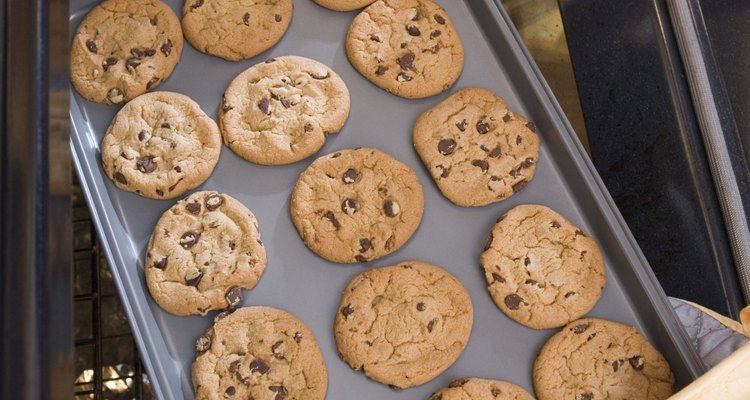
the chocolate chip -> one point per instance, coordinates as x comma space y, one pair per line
234, 296
431, 325
136, 52
189, 239
495, 153
234, 366
214, 201
146, 164
280, 392
495, 392
569, 294
119, 177
153, 81
497, 278
420, 306
375, 38
555, 224
494, 178
531, 126
461, 125
391, 208
285, 102
259, 366
246, 19
458, 383
519, 140
439, 19
109, 62
360, 258
332, 218
142, 136
270, 60
406, 62
297, 337
159, 192
403, 45
513, 301
350, 176
149, 52
347, 311
194, 278
178, 169
435, 34
197, 4
585, 396
580, 232
434, 49
349, 206
520, 185
413, 30
166, 48
364, 245
416, 14
154, 20
308, 128
161, 264
203, 343
506, 117
402, 77
193, 208
91, 46
482, 164
230, 392
617, 364
221, 315
580, 328
446, 146
389, 242
436, 396
115, 96
526, 261
264, 106
275, 350
277, 18
483, 127
636, 362
445, 171
489, 242
381, 70
533, 283
527, 163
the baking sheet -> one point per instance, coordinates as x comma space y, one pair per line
452, 237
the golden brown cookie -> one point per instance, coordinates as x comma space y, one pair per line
235, 29
160, 145
541, 269
595, 359
476, 149
356, 205
204, 250
481, 389
407, 47
403, 325
343, 5
281, 110
124, 48
259, 353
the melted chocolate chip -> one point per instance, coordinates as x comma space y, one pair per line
406, 62
446, 146
159, 192
364, 245
585, 396
349, 206
636, 362
203, 343
445, 171
513, 301
439, 19
567, 295
458, 383
214, 201
617, 364
119, 177
495, 392
166, 48
389, 242
297, 337
526, 261
154, 21
519, 140
149, 52
531, 126
275, 350
520, 185
197, 4
431, 325
350, 176
402, 77
497, 278
578, 329
246, 19
482, 164
146, 164
189, 239
391, 208
230, 392
178, 169
234, 366
308, 128
413, 30
234, 296
421, 306
555, 224
109, 62
194, 278
332, 218
483, 127
461, 125
259, 366
495, 153
161, 264
360, 258
153, 81
280, 392
347, 311
264, 106
277, 18
91, 46
193, 208
435, 34
381, 70
142, 136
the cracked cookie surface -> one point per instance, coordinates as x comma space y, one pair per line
123, 48
403, 325
343, 5
356, 205
204, 250
407, 47
235, 29
160, 145
281, 110
476, 149
595, 359
481, 389
259, 353
541, 269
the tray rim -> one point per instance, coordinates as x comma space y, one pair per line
572, 146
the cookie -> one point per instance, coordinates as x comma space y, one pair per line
235, 29
160, 145
595, 359
259, 353
356, 205
343, 5
124, 48
476, 149
407, 47
403, 325
204, 250
481, 389
281, 110
542, 271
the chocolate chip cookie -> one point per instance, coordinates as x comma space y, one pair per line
235, 29
595, 359
203, 252
403, 325
281, 110
356, 205
259, 353
481, 389
343, 5
542, 271
160, 145
124, 48
407, 47
476, 149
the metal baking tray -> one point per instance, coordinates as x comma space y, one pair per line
453, 237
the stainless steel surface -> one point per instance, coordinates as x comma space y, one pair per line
452, 237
